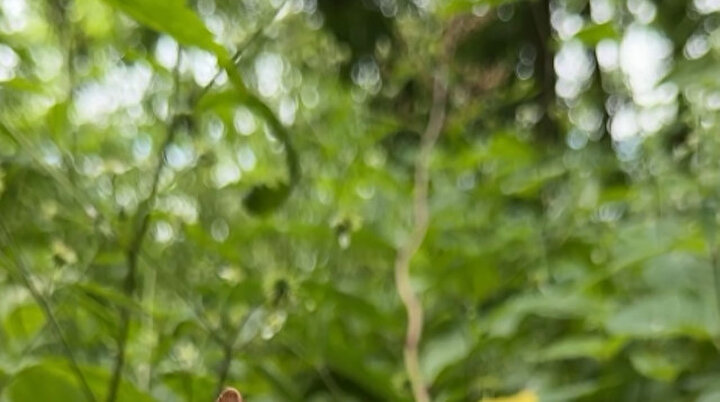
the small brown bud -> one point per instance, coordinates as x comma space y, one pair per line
230, 395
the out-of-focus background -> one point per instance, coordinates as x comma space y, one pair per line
204, 192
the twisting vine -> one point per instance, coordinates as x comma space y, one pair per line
421, 218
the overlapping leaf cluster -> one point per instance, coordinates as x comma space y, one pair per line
208, 192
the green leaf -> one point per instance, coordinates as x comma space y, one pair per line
450, 8
107, 295
655, 365
174, 18
357, 306
594, 347
660, 316
24, 85
505, 321
24, 321
45, 382
443, 351
54, 379
262, 199
679, 271
570, 392
529, 182
594, 33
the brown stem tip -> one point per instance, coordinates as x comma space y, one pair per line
230, 395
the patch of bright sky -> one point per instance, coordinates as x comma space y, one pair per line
574, 66
215, 128
201, 64
141, 147
246, 158
121, 87
51, 154
287, 110
244, 121
643, 10
180, 156
9, 60
602, 11
706, 6
14, 16
214, 23
225, 172
696, 46
624, 124
644, 57
48, 62
163, 232
269, 69
607, 53
180, 205
425, 4
366, 75
566, 24
166, 52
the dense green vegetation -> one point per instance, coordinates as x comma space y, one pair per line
359, 200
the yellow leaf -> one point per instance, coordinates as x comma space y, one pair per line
522, 396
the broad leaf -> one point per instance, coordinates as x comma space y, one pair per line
172, 17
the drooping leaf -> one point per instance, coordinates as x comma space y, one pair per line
264, 198
172, 17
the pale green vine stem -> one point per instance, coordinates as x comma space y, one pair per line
421, 218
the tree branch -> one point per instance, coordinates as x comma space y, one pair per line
228, 350
545, 72
421, 217
133, 251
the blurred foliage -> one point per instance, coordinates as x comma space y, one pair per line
218, 189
